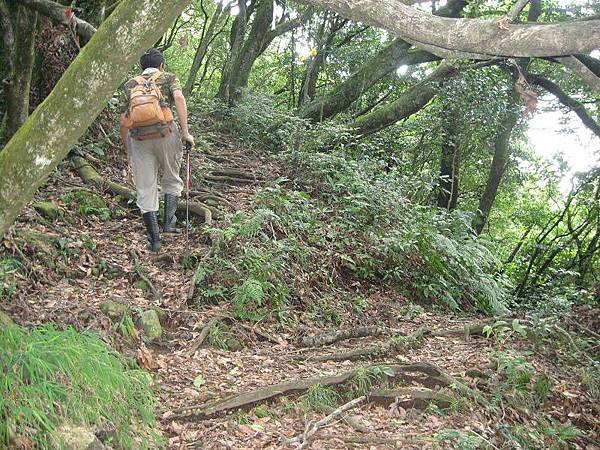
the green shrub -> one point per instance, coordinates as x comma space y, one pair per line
50, 377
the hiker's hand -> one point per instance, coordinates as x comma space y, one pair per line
187, 137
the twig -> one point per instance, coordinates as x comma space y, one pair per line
203, 334
138, 269
304, 439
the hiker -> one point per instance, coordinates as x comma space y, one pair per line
153, 142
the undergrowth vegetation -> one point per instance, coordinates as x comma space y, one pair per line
335, 218
52, 377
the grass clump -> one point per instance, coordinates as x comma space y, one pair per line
51, 377
319, 398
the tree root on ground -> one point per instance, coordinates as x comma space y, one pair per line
330, 337
391, 347
90, 176
423, 373
410, 398
227, 180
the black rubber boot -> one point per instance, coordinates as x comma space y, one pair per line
151, 222
169, 218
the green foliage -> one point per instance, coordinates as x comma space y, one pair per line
457, 439
503, 330
365, 378
319, 398
9, 266
431, 254
548, 434
88, 203
517, 382
217, 337
51, 377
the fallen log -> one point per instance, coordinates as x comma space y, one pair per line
90, 176
426, 374
330, 337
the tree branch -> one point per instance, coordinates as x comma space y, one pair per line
567, 101
475, 36
582, 71
60, 13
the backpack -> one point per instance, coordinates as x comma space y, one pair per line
145, 117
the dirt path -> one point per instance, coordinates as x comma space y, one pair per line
269, 355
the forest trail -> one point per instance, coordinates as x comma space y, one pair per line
190, 374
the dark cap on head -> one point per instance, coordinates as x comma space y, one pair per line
152, 58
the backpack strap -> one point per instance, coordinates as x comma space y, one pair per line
155, 76
139, 79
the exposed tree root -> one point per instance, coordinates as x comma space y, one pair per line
227, 180
410, 397
391, 347
329, 337
389, 441
235, 173
423, 373
90, 176
474, 329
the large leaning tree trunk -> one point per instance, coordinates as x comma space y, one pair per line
411, 101
18, 26
473, 38
378, 66
499, 163
78, 97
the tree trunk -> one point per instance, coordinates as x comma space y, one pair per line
410, 102
499, 163
381, 64
79, 96
257, 42
475, 38
238, 32
206, 40
239, 65
449, 164
21, 57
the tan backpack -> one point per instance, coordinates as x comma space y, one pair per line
145, 117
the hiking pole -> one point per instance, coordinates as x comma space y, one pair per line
187, 147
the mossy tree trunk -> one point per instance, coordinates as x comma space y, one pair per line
378, 66
246, 50
79, 96
499, 164
18, 28
413, 100
449, 163
314, 65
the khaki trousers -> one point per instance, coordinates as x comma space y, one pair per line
149, 158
